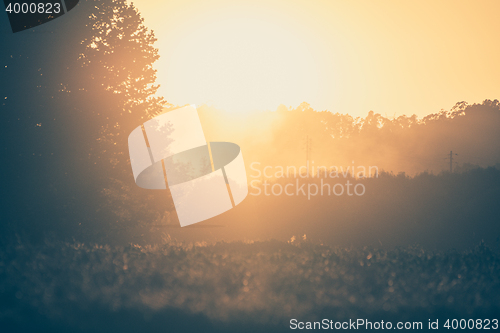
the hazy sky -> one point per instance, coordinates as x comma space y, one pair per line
392, 57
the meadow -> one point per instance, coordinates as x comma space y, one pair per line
237, 286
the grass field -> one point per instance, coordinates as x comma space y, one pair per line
237, 287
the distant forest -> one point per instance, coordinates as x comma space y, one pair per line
402, 144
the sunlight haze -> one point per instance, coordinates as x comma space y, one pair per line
391, 57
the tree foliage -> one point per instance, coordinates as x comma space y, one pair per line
118, 56
111, 88
116, 76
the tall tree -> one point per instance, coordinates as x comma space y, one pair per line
111, 87
117, 65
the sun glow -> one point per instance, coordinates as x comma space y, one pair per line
391, 57
241, 64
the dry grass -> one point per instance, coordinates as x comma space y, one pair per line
237, 286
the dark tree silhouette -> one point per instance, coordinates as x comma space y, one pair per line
117, 69
119, 55
110, 88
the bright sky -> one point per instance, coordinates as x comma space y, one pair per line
392, 57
